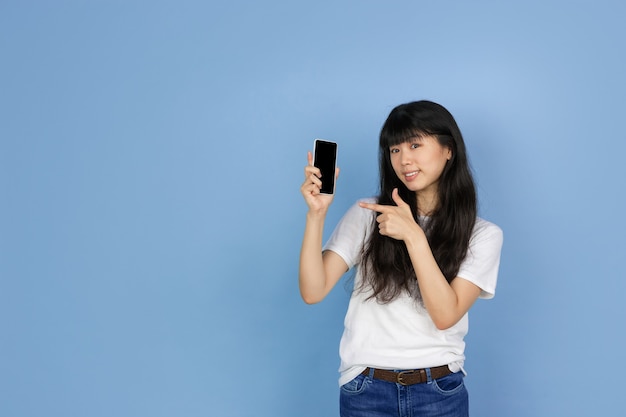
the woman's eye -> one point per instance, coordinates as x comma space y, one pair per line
394, 150
415, 145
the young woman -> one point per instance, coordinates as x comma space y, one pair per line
422, 258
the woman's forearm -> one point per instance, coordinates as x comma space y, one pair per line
312, 277
440, 298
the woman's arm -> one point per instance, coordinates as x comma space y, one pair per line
445, 302
319, 272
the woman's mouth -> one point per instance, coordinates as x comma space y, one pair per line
410, 175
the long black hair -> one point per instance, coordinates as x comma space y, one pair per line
388, 268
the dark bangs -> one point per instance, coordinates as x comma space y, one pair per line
408, 121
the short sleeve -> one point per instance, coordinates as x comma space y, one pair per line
350, 234
482, 262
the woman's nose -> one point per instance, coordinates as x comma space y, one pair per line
404, 158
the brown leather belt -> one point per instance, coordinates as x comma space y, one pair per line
414, 376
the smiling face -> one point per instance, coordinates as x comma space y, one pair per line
419, 162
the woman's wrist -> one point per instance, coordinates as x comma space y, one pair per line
416, 239
316, 214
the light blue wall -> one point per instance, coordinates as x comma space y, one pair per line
151, 155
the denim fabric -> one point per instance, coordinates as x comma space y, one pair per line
367, 397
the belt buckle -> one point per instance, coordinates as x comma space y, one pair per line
411, 372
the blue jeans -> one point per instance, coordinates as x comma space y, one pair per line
368, 397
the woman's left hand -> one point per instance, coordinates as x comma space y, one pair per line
395, 221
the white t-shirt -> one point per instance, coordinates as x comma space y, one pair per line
401, 334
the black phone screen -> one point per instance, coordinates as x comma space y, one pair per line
325, 159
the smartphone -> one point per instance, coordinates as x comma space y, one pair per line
325, 158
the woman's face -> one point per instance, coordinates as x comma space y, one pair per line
419, 162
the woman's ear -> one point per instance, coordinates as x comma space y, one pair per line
449, 154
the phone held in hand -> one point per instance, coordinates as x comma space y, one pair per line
325, 158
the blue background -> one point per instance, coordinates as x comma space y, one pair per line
151, 155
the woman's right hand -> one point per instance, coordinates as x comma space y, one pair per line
310, 189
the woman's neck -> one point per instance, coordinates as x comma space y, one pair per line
427, 203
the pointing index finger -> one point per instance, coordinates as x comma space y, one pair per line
374, 207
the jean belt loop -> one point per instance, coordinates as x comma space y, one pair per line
371, 375
429, 378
